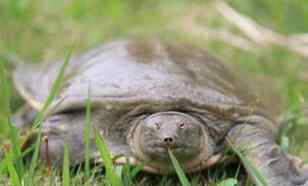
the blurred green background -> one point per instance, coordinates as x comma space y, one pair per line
44, 30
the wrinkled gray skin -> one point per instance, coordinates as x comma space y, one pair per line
149, 96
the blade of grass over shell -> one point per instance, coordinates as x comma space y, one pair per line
251, 169
179, 171
66, 167
87, 129
107, 160
55, 89
40, 116
5, 121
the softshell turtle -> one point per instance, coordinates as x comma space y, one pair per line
148, 96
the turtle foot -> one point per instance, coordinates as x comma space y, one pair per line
301, 168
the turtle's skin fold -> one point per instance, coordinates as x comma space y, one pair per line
151, 95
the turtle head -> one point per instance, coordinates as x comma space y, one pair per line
176, 131
183, 134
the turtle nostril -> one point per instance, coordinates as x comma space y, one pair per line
168, 140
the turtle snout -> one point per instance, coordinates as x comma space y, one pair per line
168, 141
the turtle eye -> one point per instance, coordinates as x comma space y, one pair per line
181, 125
157, 125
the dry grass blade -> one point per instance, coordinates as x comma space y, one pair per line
261, 35
189, 25
249, 27
252, 35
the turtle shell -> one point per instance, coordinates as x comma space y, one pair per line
148, 72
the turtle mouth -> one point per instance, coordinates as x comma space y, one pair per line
166, 147
171, 148
157, 168
164, 151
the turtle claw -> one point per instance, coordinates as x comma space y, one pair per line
300, 165
301, 168
297, 162
304, 173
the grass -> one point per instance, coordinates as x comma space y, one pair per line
41, 114
87, 131
66, 167
250, 168
107, 159
228, 182
50, 27
183, 179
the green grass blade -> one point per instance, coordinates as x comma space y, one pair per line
16, 150
5, 114
35, 155
228, 182
5, 94
13, 175
15, 180
55, 89
285, 143
2, 167
129, 172
40, 116
136, 170
107, 160
179, 171
66, 167
119, 172
87, 130
251, 169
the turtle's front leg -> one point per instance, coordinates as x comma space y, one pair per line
259, 147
